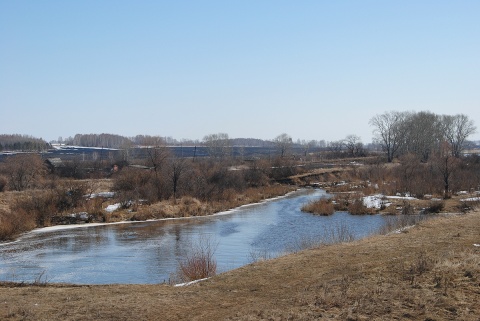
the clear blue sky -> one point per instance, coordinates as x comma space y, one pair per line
185, 69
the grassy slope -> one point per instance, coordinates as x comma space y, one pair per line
430, 272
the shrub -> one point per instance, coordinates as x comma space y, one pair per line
320, 207
14, 223
70, 195
407, 208
40, 206
199, 263
358, 208
435, 207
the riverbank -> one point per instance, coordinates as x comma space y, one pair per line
20, 212
428, 272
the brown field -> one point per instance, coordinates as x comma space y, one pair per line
428, 272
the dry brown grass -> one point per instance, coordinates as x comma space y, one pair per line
429, 272
322, 206
189, 206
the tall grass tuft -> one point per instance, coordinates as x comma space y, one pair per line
398, 223
199, 262
339, 233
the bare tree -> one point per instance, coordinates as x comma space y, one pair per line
353, 145
177, 167
423, 134
24, 170
218, 145
446, 164
283, 143
306, 145
156, 157
336, 147
390, 131
456, 130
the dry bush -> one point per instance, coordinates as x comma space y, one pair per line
338, 233
3, 183
421, 264
398, 222
94, 206
435, 207
199, 262
14, 223
70, 195
358, 208
408, 208
190, 206
368, 190
24, 171
342, 201
320, 207
41, 205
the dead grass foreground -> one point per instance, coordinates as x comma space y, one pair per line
429, 272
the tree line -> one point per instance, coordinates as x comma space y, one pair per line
18, 142
422, 134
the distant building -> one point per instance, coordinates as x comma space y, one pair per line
54, 164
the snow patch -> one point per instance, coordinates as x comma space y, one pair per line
191, 282
374, 201
101, 194
471, 199
113, 207
379, 200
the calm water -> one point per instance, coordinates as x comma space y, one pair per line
148, 252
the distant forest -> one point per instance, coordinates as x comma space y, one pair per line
118, 141
22, 143
17, 142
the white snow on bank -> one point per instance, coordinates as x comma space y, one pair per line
402, 197
471, 199
113, 207
376, 201
101, 194
191, 282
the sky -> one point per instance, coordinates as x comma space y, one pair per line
315, 70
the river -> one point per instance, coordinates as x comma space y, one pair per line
149, 252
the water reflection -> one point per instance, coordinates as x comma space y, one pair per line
148, 252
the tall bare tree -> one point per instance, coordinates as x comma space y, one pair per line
156, 158
423, 134
177, 167
218, 145
446, 164
390, 131
24, 170
353, 145
283, 143
456, 130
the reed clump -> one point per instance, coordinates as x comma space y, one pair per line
199, 262
322, 206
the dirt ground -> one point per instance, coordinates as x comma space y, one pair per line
428, 272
